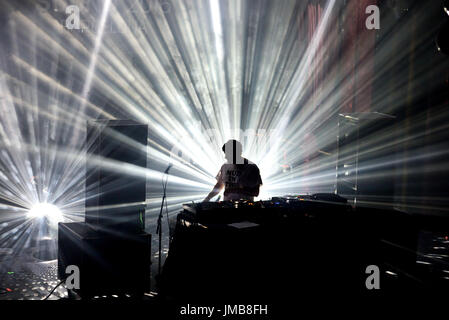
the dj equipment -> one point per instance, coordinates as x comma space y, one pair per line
315, 244
322, 205
108, 264
115, 199
253, 249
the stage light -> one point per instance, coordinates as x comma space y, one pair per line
47, 210
446, 6
255, 79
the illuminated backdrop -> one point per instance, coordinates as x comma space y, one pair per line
274, 74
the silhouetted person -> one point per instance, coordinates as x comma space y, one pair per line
238, 176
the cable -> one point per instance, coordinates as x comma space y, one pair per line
51, 292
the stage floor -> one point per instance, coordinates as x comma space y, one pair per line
32, 273
25, 277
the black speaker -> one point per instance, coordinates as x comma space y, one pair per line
108, 264
115, 193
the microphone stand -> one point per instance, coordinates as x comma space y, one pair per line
159, 219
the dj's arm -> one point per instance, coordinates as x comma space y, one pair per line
216, 190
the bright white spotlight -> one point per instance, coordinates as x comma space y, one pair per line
50, 211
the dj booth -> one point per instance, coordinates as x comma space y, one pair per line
236, 249
265, 249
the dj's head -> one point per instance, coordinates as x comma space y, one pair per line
233, 151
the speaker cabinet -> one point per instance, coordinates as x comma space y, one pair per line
108, 264
115, 189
